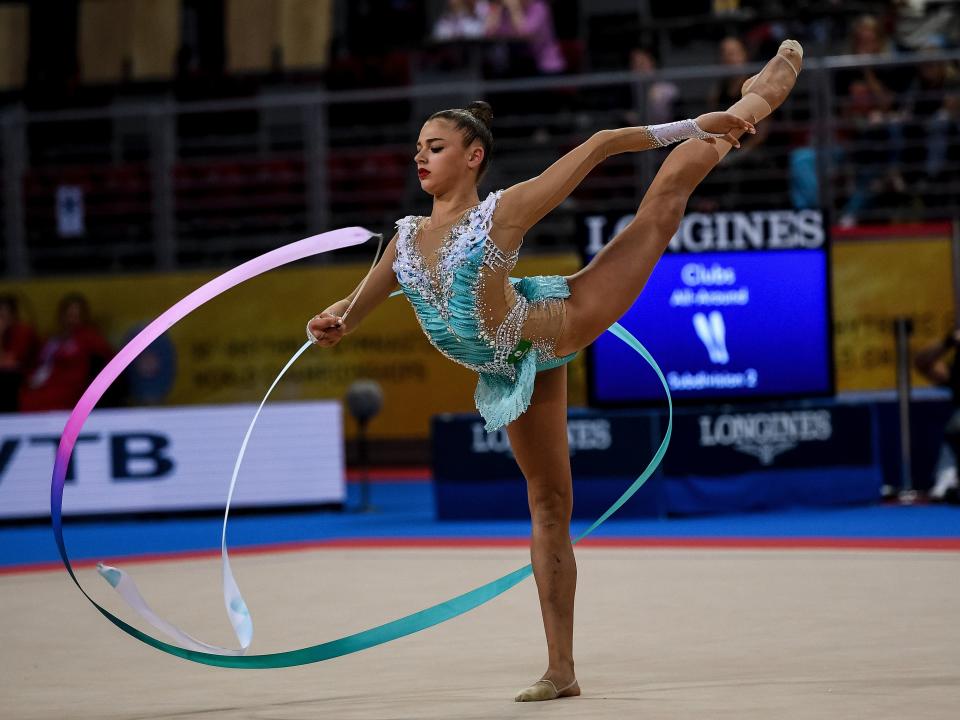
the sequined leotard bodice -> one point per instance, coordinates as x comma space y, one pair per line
476, 315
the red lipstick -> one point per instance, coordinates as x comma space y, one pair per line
422, 173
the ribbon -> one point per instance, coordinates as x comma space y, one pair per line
196, 650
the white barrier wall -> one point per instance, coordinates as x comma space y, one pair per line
169, 459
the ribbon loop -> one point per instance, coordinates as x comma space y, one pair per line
197, 651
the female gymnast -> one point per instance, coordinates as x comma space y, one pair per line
518, 335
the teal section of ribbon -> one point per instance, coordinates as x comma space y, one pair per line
378, 635
434, 615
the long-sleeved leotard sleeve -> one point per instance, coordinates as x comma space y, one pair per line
524, 204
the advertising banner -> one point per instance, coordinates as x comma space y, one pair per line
175, 459
783, 436
738, 307
759, 458
879, 274
476, 476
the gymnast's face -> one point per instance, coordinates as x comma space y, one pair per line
443, 161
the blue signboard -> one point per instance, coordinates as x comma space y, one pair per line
726, 315
476, 476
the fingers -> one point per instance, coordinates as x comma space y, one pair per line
325, 321
325, 330
732, 140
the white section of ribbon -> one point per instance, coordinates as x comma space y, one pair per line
233, 601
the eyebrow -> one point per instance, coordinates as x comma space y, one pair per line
430, 140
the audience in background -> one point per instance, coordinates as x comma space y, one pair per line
530, 21
870, 120
68, 360
461, 20
750, 183
932, 125
18, 348
732, 53
660, 100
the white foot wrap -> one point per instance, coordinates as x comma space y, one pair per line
674, 132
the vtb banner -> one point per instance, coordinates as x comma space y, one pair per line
170, 459
231, 350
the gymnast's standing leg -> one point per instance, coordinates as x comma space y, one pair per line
539, 442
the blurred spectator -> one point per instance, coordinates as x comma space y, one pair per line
932, 109
461, 20
750, 183
68, 361
932, 363
661, 96
921, 23
870, 110
532, 22
733, 53
18, 348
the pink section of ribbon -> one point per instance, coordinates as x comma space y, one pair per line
281, 256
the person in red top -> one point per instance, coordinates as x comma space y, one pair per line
68, 361
18, 348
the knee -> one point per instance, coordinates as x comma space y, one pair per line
550, 508
663, 215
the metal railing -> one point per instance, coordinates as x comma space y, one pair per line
174, 185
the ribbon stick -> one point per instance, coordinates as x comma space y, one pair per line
195, 650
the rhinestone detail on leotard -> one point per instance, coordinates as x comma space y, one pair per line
434, 283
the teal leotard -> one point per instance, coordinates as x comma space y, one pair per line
474, 313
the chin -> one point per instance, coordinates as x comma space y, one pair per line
428, 185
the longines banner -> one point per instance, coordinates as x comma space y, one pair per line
738, 307
876, 273
784, 437
476, 475
231, 349
170, 459
787, 455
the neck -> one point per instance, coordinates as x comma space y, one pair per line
449, 205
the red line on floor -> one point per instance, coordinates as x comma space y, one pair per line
397, 474
703, 543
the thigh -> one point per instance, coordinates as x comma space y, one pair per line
538, 439
610, 283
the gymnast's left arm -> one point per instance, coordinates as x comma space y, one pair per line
523, 205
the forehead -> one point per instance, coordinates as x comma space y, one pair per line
437, 128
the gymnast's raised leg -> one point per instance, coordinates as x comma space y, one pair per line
606, 288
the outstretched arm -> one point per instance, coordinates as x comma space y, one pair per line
327, 326
524, 204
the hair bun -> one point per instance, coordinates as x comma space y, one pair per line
481, 111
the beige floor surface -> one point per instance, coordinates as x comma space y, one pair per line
660, 634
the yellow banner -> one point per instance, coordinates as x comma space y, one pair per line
230, 349
877, 279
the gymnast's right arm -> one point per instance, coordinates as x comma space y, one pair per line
328, 328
